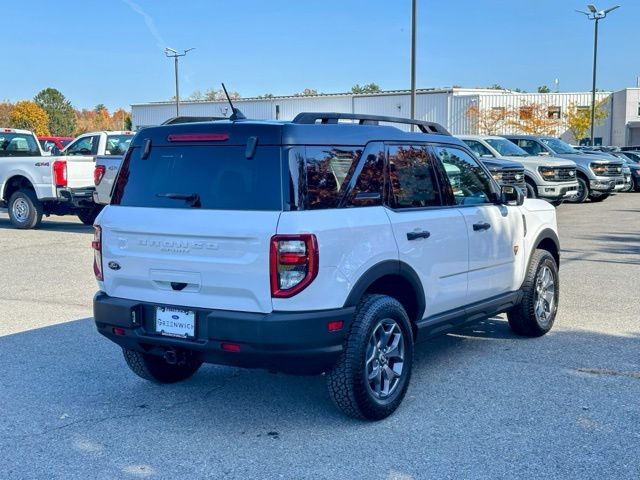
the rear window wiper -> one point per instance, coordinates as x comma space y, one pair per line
192, 198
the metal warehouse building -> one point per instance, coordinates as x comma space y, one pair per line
447, 106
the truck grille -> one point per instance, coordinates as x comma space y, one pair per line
563, 174
613, 170
513, 176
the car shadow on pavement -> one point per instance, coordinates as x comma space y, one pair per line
66, 227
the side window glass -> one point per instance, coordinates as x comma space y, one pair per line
470, 184
328, 170
412, 177
531, 147
478, 148
84, 146
369, 186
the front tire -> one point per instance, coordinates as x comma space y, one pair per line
25, 210
155, 369
370, 379
583, 192
536, 313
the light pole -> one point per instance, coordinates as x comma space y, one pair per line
171, 53
413, 61
597, 15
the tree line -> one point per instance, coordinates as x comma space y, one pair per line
50, 113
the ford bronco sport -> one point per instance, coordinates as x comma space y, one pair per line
331, 243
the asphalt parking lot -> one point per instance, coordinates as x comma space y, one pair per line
482, 403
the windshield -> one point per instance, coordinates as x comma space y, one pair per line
558, 146
506, 147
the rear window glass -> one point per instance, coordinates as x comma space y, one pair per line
117, 144
18, 145
214, 178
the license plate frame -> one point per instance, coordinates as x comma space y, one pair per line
175, 322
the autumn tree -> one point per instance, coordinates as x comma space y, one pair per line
30, 116
62, 118
487, 121
5, 114
127, 123
579, 119
368, 88
533, 119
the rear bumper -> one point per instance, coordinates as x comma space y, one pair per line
78, 197
290, 342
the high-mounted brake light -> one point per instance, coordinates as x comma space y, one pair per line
97, 252
198, 137
98, 173
60, 173
293, 263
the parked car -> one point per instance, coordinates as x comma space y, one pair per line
54, 144
313, 246
549, 178
634, 156
598, 177
33, 183
634, 169
626, 170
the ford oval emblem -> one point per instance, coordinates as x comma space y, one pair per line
114, 265
175, 317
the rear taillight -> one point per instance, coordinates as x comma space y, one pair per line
98, 173
97, 252
60, 173
294, 263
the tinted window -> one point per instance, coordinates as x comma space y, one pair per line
470, 183
530, 146
117, 144
558, 145
369, 185
505, 147
84, 146
221, 177
412, 176
18, 145
478, 148
327, 169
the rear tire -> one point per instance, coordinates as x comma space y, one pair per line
535, 314
88, 215
371, 377
25, 210
583, 192
155, 369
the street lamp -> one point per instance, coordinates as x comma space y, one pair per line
171, 53
413, 62
597, 15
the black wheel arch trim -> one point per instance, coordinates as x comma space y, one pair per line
546, 234
382, 269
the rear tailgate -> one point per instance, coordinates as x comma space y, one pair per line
111, 164
190, 223
79, 170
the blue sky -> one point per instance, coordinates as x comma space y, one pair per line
111, 51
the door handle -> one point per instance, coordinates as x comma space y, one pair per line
418, 234
481, 226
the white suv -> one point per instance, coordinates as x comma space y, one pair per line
313, 246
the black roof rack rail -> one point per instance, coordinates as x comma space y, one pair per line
364, 119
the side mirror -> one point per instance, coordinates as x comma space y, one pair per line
510, 195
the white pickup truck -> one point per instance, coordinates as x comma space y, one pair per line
34, 183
